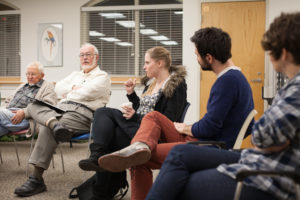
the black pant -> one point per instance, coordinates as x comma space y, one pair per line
113, 132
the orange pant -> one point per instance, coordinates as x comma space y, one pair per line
154, 127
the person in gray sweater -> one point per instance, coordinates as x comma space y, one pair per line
15, 117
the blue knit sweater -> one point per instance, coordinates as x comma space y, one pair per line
229, 104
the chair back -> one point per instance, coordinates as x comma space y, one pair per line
187, 105
240, 137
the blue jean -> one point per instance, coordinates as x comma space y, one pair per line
189, 172
5, 123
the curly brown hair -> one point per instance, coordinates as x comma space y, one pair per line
214, 41
284, 33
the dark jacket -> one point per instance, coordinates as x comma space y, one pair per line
172, 101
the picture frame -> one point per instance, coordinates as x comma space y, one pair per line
50, 44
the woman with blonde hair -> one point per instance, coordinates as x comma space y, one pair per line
113, 130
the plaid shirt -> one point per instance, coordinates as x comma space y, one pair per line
20, 100
280, 123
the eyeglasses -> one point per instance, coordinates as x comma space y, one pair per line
89, 55
31, 74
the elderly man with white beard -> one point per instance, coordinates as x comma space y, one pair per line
81, 93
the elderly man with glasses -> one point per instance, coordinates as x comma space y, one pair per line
81, 93
15, 116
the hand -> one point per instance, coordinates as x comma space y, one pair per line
128, 112
182, 128
130, 85
18, 117
274, 149
179, 126
76, 87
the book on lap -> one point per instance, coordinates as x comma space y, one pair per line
55, 108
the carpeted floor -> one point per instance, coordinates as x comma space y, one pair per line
58, 184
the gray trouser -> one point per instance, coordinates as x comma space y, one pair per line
46, 144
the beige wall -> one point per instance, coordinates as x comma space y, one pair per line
67, 12
192, 22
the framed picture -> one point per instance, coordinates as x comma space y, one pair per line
50, 44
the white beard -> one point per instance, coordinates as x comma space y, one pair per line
85, 67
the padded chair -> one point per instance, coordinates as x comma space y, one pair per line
187, 105
241, 135
84, 136
22, 132
239, 139
77, 137
294, 175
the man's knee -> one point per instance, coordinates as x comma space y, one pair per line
5, 114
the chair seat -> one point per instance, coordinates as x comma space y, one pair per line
84, 136
22, 132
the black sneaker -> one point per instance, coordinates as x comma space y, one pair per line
62, 133
31, 187
90, 165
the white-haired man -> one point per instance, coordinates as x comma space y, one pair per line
81, 93
15, 116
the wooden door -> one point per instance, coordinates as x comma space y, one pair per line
245, 23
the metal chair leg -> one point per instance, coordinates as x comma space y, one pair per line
90, 141
1, 157
31, 148
53, 166
17, 154
297, 191
238, 190
62, 159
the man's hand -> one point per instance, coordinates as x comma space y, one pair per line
128, 112
183, 128
19, 116
274, 149
130, 85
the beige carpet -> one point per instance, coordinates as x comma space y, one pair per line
58, 184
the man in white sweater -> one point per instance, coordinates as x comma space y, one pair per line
81, 94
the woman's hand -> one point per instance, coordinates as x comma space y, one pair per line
128, 112
130, 85
183, 128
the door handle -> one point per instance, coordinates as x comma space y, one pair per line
256, 80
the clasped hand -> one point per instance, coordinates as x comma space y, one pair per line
18, 117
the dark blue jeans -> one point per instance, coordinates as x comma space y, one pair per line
189, 172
